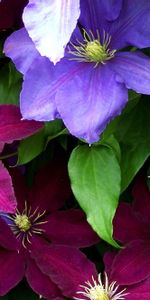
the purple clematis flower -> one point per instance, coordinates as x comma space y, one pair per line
88, 87
39, 236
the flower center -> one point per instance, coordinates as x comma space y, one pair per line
92, 49
99, 291
23, 222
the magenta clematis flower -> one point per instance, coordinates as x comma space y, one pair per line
38, 237
88, 87
127, 272
130, 267
12, 128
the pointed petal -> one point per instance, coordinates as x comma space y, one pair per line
94, 98
50, 25
20, 48
133, 68
66, 266
12, 127
7, 197
70, 228
132, 27
132, 264
11, 271
41, 283
127, 227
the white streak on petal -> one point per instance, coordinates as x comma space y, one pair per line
50, 24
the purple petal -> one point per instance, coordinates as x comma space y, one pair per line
36, 102
11, 270
93, 99
70, 228
66, 266
141, 202
40, 282
132, 26
12, 127
50, 25
132, 264
7, 197
133, 68
20, 48
127, 227
7, 238
96, 14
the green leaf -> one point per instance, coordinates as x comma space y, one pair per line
10, 84
31, 147
95, 180
133, 134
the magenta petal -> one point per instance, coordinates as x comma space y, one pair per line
20, 48
7, 197
132, 264
66, 266
108, 259
127, 227
7, 238
12, 268
51, 187
50, 25
12, 127
139, 291
141, 204
40, 282
70, 228
93, 99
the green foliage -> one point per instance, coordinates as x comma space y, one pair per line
31, 147
133, 134
10, 84
95, 179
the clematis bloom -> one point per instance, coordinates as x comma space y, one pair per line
130, 267
88, 87
39, 236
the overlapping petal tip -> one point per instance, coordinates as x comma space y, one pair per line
50, 25
20, 48
133, 69
40, 282
66, 266
12, 127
